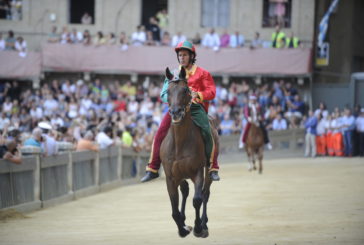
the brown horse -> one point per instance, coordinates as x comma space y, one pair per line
255, 146
183, 157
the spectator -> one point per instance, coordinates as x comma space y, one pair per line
123, 41
65, 36
49, 143
100, 39
256, 42
127, 138
139, 37
9, 152
296, 110
10, 41
279, 123
21, 46
2, 42
225, 39
153, 27
310, 140
227, 125
166, 39
321, 142
111, 39
292, 41
36, 139
176, 39
53, 37
359, 123
150, 41
197, 39
348, 127
278, 38
86, 19
87, 40
322, 110
236, 40
76, 36
87, 143
211, 40
104, 139
162, 17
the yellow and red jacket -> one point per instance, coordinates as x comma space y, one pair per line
200, 81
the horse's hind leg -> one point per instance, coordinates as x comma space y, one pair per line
260, 157
250, 159
173, 195
185, 191
197, 202
206, 196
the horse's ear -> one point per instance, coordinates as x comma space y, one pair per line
182, 73
169, 75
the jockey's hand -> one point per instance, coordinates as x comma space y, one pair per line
249, 119
195, 95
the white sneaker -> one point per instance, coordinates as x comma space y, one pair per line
269, 146
241, 145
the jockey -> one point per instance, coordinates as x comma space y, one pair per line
254, 114
203, 90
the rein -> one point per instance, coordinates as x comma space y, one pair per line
188, 106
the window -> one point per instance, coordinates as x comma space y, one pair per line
277, 12
215, 13
11, 9
82, 12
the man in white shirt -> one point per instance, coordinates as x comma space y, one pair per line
348, 126
236, 40
104, 139
359, 123
139, 37
279, 123
178, 38
211, 39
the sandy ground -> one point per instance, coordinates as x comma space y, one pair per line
295, 201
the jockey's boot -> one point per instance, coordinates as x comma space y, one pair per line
149, 176
269, 146
241, 145
214, 175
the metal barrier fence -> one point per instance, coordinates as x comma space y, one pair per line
291, 139
45, 181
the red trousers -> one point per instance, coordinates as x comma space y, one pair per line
155, 160
335, 145
321, 145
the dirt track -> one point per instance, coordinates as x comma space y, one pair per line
295, 201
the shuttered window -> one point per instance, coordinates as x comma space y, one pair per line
215, 13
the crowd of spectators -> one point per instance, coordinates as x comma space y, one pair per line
11, 43
337, 133
153, 34
128, 114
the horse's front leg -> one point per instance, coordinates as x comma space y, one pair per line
183, 230
206, 196
197, 201
185, 191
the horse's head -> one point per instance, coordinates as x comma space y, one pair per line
179, 95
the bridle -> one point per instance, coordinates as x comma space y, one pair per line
188, 90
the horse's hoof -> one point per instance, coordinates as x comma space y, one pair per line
203, 234
186, 231
255, 168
